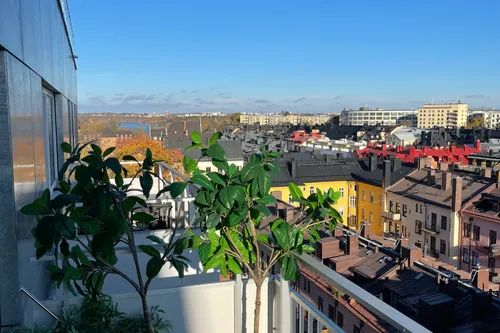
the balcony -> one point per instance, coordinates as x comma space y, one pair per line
198, 305
391, 216
431, 229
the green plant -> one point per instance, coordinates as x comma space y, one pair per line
88, 215
232, 204
96, 315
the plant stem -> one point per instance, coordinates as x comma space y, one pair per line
256, 315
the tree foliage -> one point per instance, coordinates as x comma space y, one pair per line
88, 215
232, 205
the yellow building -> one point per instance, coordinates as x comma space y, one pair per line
450, 115
316, 174
372, 177
277, 119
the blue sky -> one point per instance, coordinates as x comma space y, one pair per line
300, 56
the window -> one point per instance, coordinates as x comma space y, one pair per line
467, 229
476, 232
341, 192
465, 255
51, 145
391, 206
433, 221
305, 284
398, 208
363, 196
362, 213
355, 329
442, 246
371, 197
491, 262
444, 222
331, 312
352, 201
403, 230
290, 199
208, 169
340, 319
493, 237
320, 304
311, 190
308, 286
405, 210
341, 210
418, 227
416, 207
475, 258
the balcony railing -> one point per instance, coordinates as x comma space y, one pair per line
391, 216
432, 229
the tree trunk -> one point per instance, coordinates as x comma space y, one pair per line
256, 314
147, 317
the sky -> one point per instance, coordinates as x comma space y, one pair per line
270, 56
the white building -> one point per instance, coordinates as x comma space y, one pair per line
403, 136
491, 119
364, 116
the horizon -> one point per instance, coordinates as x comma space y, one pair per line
260, 57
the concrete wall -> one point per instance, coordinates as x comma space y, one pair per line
203, 308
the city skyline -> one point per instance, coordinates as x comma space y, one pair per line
267, 57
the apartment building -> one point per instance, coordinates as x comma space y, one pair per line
278, 119
491, 119
37, 112
480, 228
372, 177
449, 115
365, 116
316, 173
424, 206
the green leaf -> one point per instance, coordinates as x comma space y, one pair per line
189, 164
130, 158
216, 260
216, 178
156, 239
64, 247
220, 164
146, 183
90, 226
214, 138
176, 189
154, 267
234, 266
196, 138
201, 199
215, 151
76, 252
108, 151
263, 238
113, 164
289, 268
281, 233
295, 191
96, 149
202, 181
66, 147
212, 220
143, 217
150, 250
204, 252
267, 199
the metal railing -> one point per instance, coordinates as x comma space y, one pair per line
370, 302
37, 302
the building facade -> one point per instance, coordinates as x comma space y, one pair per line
480, 228
365, 116
491, 119
37, 112
424, 208
450, 115
278, 119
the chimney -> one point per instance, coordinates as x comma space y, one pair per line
487, 172
446, 181
386, 181
498, 178
443, 166
456, 194
395, 164
422, 163
431, 177
352, 245
289, 214
293, 167
372, 162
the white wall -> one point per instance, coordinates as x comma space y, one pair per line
204, 308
